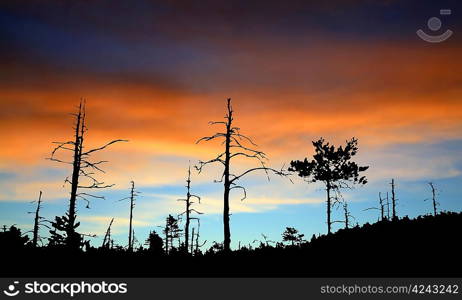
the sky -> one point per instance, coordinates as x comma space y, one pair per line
156, 72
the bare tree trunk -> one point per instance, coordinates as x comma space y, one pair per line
328, 188
433, 197
345, 208
388, 207
166, 240
130, 234
188, 204
107, 236
393, 199
227, 183
188, 212
76, 165
192, 242
382, 207
37, 221
197, 246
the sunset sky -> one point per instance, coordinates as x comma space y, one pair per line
156, 72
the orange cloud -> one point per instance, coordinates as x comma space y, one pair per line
381, 93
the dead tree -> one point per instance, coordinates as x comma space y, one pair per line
382, 207
265, 238
388, 207
83, 176
191, 250
167, 236
346, 214
133, 194
107, 236
434, 202
130, 229
134, 240
38, 221
235, 145
393, 199
189, 210
197, 244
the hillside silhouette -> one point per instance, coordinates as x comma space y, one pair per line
425, 246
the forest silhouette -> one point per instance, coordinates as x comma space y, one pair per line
393, 246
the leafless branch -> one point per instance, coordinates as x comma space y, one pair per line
243, 190
208, 138
103, 147
202, 164
266, 169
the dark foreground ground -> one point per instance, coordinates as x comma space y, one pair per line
423, 247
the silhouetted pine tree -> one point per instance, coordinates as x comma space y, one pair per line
12, 239
292, 236
171, 232
333, 167
155, 243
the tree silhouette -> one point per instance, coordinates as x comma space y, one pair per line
267, 241
155, 243
235, 145
333, 167
382, 205
388, 207
347, 215
434, 202
171, 232
38, 221
107, 236
133, 194
189, 210
215, 248
393, 200
195, 244
292, 236
83, 177
12, 239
